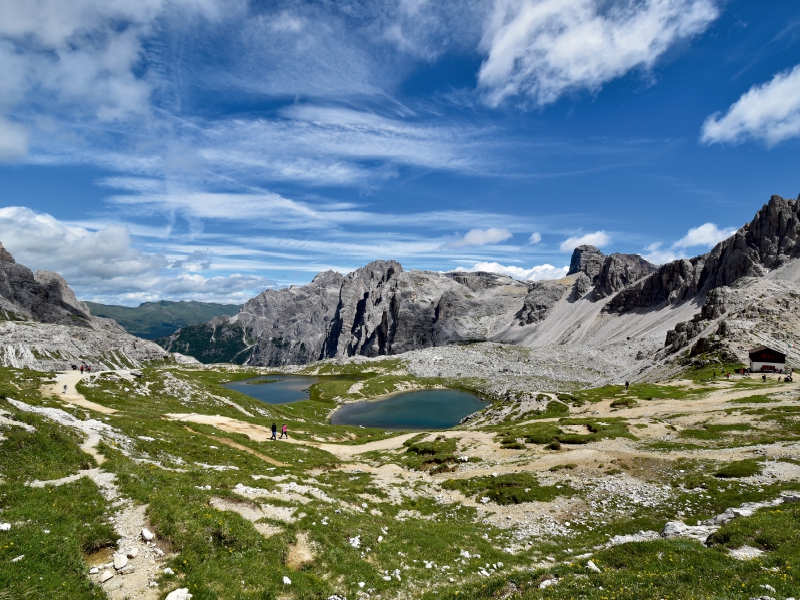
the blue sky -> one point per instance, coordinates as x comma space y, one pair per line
209, 149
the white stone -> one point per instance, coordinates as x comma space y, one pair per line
148, 535
94, 571
19, 558
120, 561
132, 552
169, 571
745, 553
547, 583
5, 526
286, 580
106, 576
179, 594
593, 567
361, 584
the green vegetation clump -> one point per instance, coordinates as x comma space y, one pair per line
624, 403
713, 432
740, 468
546, 433
425, 456
509, 488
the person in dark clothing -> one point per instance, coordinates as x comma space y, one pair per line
627, 384
284, 432
274, 432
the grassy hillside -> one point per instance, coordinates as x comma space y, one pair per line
563, 502
152, 320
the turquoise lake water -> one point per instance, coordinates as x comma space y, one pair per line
420, 410
280, 389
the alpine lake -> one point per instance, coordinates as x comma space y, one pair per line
418, 410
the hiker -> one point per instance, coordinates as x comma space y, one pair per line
764, 378
81, 369
715, 374
284, 432
627, 383
274, 432
65, 389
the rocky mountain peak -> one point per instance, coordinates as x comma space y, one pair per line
5, 256
606, 274
767, 242
586, 259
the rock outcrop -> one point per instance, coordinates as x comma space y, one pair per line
380, 309
44, 326
606, 274
768, 242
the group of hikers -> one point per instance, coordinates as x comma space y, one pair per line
744, 372
284, 432
83, 368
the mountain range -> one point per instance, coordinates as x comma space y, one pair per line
619, 302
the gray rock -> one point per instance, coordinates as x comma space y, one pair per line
132, 552
120, 561
593, 567
44, 326
179, 594
676, 529
147, 535
769, 241
540, 301
105, 576
588, 260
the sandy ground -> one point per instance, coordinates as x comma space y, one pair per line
71, 396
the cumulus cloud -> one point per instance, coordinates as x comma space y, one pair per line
769, 112
707, 234
537, 273
481, 237
598, 238
545, 48
535, 238
104, 265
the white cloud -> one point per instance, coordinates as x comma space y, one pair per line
535, 238
13, 140
707, 234
103, 265
546, 48
481, 237
768, 112
598, 238
657, 255
537, 273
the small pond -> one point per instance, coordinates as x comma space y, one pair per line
420, 410
275, 389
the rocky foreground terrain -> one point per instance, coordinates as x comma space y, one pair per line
44, 326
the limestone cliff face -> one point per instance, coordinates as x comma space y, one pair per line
380, 309
607, 274
769, 241
44, 326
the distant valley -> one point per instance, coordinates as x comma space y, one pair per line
151, 320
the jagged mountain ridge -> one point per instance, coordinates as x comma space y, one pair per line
381, 309
44, 326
